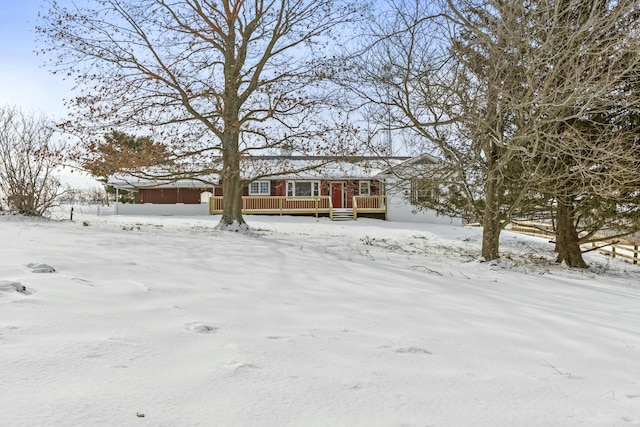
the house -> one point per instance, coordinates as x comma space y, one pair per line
337, 187
275, 185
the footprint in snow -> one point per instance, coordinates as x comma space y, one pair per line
201, 328
142, 286
82, 281
11, 286
239, 367
40, 268
413, 350
406, 350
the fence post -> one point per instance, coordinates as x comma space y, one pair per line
635, 253
613, 251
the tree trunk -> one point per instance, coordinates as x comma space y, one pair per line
493, 188
232, 219
567, 239
491, 226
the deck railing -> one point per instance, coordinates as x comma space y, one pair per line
215, 205
369, 204
284, 205
277, 205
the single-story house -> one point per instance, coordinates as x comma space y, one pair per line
279, 185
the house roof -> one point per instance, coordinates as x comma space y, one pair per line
317, 167
271, 167
409, 164
130, 183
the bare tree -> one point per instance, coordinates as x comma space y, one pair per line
445, 72
529, 106
227, 78
28, 159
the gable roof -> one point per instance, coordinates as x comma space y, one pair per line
408, 164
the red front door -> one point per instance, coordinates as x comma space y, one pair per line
336, 194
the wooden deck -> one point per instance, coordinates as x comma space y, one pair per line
369, 204
316, 205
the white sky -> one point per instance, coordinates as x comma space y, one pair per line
313, 323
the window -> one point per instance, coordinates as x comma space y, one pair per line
364, 188
260, 188
421, 192
303, 188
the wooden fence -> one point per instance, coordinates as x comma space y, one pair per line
616, 247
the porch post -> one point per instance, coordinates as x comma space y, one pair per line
384, 200
355, 208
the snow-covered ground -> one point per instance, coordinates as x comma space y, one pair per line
309, 323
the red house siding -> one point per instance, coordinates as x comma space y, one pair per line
325, 188
170, 195
278, 188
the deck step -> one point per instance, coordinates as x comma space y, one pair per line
342, 215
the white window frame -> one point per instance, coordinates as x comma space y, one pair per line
291, 188
260, 188
367, 186
420, 194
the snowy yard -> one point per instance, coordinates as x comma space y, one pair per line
310, 323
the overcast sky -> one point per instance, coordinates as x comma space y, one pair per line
24, 81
